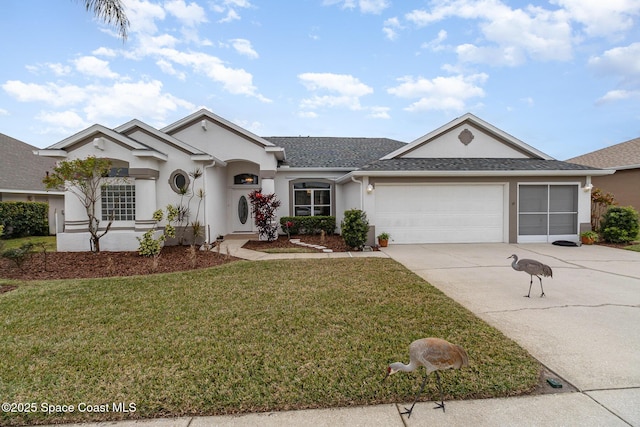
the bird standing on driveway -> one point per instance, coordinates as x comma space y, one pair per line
532, 268
435, 355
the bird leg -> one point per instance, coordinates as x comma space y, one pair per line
408, 411
441, 404
530, 283
540, 278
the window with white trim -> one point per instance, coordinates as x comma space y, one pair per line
312, 198
118, 202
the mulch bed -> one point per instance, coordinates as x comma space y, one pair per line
80, 265
334, 242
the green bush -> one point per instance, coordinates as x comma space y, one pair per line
620, 224
22, 219
308, 224
355, 228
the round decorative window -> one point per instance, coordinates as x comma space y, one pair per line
179, 181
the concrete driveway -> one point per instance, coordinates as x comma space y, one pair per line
587, 327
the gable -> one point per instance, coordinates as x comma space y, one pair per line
468, 137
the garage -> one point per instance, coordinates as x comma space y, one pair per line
441, 213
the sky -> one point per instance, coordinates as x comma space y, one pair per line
560, 75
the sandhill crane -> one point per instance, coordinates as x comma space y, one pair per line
532, 268
435, 355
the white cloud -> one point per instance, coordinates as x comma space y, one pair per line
602, 18
619, 95
366, 6
92, 66
622, 61
50, 93
440, 93
103, 51
126, 100
343, 84
230, 9
69, 120
379, 113
307, 114
390, 28
344, 91
510, 35
142, 16
243, 47
373, 6
190, 15
436, 44
3, 112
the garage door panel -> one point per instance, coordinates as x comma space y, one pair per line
441, 213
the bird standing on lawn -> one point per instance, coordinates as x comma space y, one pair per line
435, 355
532, 268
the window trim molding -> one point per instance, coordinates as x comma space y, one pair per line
172, 180
332, 189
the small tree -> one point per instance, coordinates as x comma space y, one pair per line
264, 208
151, 246
355, 227
600, 203
83, 178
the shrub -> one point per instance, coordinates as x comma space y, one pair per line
308, 224
264, 208
620, 224
22, 219
600, 203
355, 227
150, 246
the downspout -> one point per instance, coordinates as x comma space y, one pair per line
207, 226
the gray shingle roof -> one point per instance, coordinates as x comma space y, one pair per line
471, 164
20, 169
329, 152
623, 154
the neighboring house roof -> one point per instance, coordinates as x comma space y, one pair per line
335, 153
625, 155
20, 170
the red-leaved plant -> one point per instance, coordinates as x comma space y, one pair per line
263, 207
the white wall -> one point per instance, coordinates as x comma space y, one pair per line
449, 146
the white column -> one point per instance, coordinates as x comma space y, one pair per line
145, 202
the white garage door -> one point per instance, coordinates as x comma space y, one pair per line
441, 213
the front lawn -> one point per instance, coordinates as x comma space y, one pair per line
242, 337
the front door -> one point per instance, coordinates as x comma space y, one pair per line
241, 211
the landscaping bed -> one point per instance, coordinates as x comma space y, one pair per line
76, 265
334, 242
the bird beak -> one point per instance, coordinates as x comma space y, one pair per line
385, 377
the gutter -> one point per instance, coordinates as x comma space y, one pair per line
361, 194
493, 173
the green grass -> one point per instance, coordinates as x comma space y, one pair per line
48, 241
634, 247
243, 337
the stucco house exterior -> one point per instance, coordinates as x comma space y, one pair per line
21, 177
624, 159
466, 181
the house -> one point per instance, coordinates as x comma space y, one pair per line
21, 177
466, 181
624, 159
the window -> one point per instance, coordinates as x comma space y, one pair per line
548, 210
245, 179
312, 198
179, 181
119, 202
